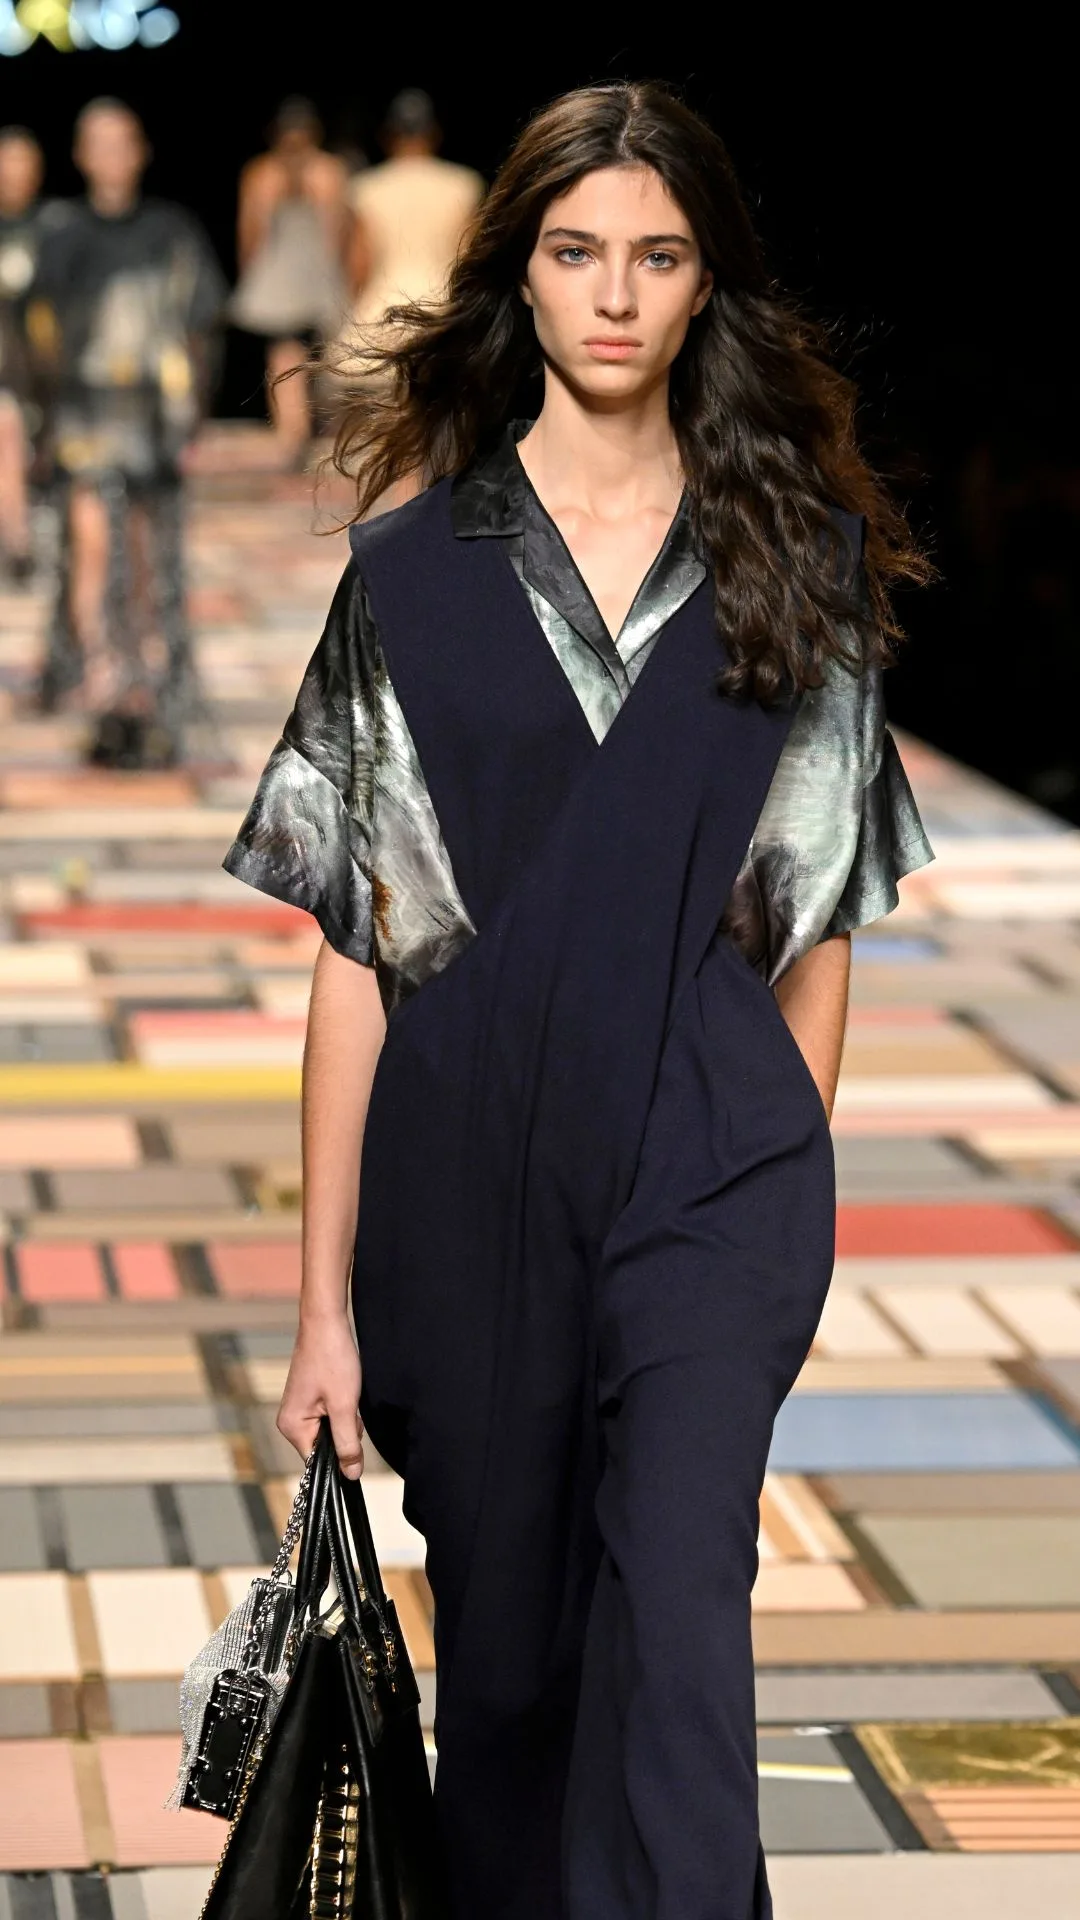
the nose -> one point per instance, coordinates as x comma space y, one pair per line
615, 295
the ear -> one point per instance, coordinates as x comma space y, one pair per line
702, 296
526, 293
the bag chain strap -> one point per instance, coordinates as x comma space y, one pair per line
294, 1527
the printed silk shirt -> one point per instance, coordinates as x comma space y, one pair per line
342, 823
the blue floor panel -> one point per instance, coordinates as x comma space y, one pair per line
881, 1433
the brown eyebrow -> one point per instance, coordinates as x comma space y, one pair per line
594, 240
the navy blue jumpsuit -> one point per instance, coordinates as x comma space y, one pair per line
595, 1235
596, 1217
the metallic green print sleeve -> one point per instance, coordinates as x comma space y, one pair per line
342, 823
421, 921
307, 834
838, 830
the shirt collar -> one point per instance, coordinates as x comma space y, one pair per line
493, 498
488, 499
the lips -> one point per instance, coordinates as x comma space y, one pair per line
613, 349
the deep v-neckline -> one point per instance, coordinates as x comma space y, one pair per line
600, 638
568, 691
501, 733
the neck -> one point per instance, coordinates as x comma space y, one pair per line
606, 459
112, 201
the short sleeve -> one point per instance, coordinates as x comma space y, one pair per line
307, 835
838, 831
891, 842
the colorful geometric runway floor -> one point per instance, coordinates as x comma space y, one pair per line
917, 1613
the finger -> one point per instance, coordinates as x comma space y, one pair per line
300, 1430
347, 1430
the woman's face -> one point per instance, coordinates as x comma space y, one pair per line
614, 280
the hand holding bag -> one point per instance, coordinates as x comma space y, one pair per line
335, 1816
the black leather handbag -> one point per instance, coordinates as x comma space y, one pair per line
335, 1818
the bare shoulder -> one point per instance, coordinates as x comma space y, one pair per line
261, 180
325, 176
263, 169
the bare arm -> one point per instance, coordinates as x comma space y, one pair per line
344, 1037
357, 255
813, 996
325, 182
259, 193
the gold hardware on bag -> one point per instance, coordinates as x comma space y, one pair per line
333, 1849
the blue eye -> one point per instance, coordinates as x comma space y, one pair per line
660, 259
579, 256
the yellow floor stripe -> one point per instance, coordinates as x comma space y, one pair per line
124, 1082
790, 1770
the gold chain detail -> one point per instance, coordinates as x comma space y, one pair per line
333, 1851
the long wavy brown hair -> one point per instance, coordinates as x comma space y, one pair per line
764, 422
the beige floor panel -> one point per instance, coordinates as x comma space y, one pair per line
1015, 900
236, 1581
66, 1462
1047, 1319
794, 1512
61, 1140
945, 1050
871, 1273
905, 1637
915, 1373
149, 1622
944, 1321
934, 1093
209, 1224
37, 1635
266, 1378
41, 965
396, 1542
176, 1893
851, 1325
1053, 1143
922, 1886
805, 1587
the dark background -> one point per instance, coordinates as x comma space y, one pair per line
917, 194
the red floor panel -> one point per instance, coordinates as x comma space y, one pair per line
138, 1774
40, 1821
145, 1271
59, 1270
259, 1268
863, 1231
224, 1023
36, 787
90, 917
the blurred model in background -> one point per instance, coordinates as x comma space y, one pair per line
292, 232
24, 219
409, 213
126, 303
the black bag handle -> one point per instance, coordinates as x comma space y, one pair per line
313, 1565
360, 1527
336, 1509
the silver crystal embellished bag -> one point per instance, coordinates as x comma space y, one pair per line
232, 1689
